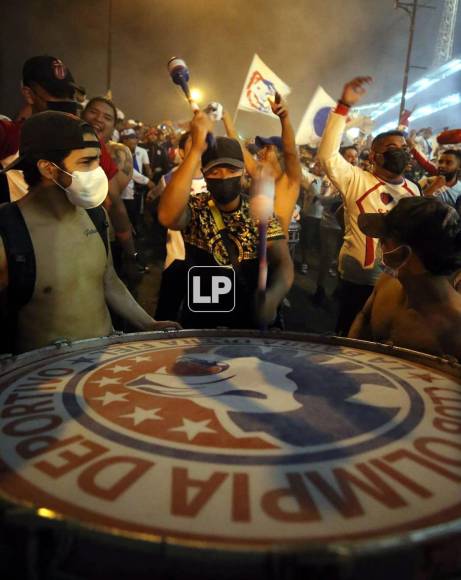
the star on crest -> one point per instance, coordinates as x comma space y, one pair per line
193, 428
119, 369
141, 358
139, 415
107, 381
109, 398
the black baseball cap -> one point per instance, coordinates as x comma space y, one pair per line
225, 152
427, 225
261, 142
410, 221
51, 131
50, 73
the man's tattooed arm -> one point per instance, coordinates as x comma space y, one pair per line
122, 157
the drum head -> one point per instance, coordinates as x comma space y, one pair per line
236, 447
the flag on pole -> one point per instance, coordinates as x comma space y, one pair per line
260, 84
311, 129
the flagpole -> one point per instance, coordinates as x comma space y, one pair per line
234, 118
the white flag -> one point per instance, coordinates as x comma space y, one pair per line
311, 129
261, 83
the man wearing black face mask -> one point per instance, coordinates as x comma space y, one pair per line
362, 191
218, 230
47, 84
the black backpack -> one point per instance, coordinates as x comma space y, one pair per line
21, 266
4, 189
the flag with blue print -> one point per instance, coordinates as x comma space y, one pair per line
261, 84
313, 123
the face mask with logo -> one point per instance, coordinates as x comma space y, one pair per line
395, 161
223, 191
88, 188
391, 262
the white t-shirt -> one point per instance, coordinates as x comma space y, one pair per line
142, 158
175, 249
362, 192
311, 206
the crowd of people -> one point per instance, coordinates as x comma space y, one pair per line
81, 183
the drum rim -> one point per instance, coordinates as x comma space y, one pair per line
338, 549
447, 365
355, 548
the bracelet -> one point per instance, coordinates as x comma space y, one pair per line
340, 102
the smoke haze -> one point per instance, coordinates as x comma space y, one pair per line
306, 42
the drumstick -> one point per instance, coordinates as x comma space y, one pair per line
179, 74
262, 256
262, 208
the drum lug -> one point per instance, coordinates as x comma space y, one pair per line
6, 358
60, 342
451, 360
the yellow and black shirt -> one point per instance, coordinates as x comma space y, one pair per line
204, 247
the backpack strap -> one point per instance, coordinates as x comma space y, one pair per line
4, 189
20, 256
19, 253
99, 219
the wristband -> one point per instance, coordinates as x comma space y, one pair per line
342, 108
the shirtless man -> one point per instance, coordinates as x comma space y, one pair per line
68, 265
414, 305
287, 180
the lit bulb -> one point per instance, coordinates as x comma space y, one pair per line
196, 95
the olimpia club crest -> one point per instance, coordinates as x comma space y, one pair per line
239, 440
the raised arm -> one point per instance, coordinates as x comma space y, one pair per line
290, 152
339, 171
250, 163
287, 186
173, 211
421, 159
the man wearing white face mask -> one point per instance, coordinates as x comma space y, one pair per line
56, 273
414, 304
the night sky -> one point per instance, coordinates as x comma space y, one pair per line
306, 42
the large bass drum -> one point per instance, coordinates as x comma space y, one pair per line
234, 455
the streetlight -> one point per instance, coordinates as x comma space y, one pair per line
411, 9
196, 95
